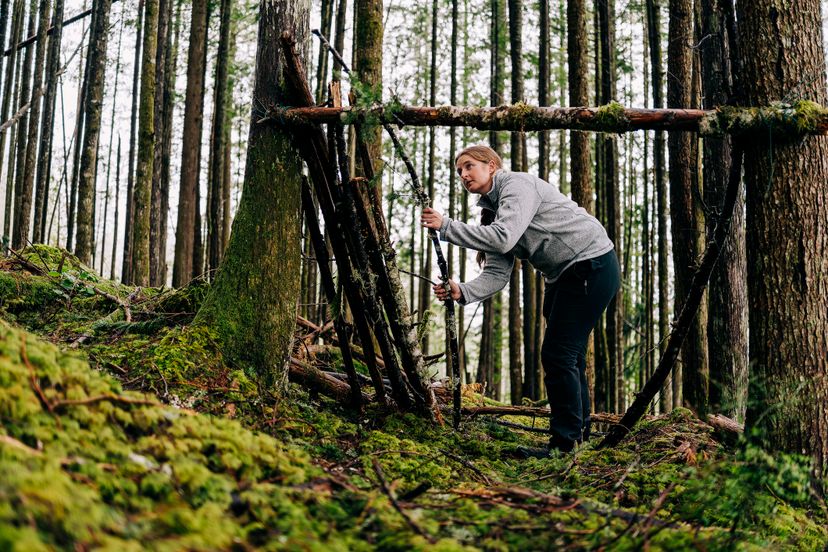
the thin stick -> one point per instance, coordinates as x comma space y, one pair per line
390, 494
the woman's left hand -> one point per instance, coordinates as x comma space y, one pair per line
431, 218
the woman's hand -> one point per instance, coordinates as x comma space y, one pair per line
431, 218
442, 294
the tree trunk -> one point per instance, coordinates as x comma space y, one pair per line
22, 226
191, 147
252, 304
9, 102
452, 208
162, 45
218, 136
781, 45
44, 162
368, 68
518, 157
103, 225
727, 315
427, 259
609, 182
129, 216
654, 35
18, 238
684, 209
142, 194
93, 108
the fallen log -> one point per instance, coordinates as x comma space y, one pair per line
308, 376
798, 118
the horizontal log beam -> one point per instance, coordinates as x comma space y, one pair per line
795, 119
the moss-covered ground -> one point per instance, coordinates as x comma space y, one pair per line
135, 434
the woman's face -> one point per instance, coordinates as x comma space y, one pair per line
476, 175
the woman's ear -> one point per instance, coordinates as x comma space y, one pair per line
492, 167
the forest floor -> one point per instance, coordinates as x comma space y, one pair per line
129, 432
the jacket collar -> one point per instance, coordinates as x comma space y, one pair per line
491, 199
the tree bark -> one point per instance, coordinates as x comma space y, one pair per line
126, 264
9, 102
727, 315
27, 192
215, 223
252, 304
156, 224
142, 192
518, 162
781, 47
686, 219
191, 146
368, 68
609, 182
44, 162
93, 108
25, 87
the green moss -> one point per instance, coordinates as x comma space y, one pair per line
612, 118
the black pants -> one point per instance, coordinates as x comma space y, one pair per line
572, 306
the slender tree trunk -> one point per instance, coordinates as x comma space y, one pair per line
4, 21
452, 209
191, 147
93, 108
252, 304
518, 155
44, 161
727, 315
326, 17
78, 142
781, 45
142, 193
129, 216
425, 290
18, 238
215, 224
684, 209
103, 225
9, 100
199, 235
117, 212
27, 192
609, 154
162, 45
654, 34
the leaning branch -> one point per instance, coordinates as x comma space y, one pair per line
801, 117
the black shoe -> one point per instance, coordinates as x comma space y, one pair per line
557, 442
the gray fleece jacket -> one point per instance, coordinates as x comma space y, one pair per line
534, 221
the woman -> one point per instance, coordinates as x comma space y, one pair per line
531, 219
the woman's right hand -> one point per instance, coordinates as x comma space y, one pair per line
442, 294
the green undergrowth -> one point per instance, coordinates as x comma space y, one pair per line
302, 472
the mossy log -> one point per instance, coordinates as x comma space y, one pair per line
798, 118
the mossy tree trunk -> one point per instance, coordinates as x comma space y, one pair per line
727, 314
252, 304
686, 219
368, 67
191, 146
787, 248
93, 111
142, 193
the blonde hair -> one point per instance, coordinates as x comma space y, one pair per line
482, 153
